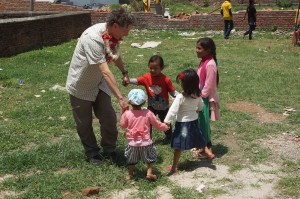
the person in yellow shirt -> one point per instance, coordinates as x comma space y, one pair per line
296, 32
227, 16
146, 4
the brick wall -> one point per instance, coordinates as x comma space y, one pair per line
265, 20
211, 2
23, 5
20, 35
23, 34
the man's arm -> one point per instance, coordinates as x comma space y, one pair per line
119, 63
111, 82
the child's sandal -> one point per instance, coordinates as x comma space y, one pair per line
151, 177
210, 157
196, 153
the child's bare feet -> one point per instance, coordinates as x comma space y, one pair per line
129, 177
172, 169
151, 177
210, 156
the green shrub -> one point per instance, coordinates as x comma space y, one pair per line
205, 3
284, 3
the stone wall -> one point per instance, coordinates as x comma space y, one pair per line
27, 33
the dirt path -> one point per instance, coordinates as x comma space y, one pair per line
255, 182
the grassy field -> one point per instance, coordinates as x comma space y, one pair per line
41, 154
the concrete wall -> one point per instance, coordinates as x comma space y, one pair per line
23, 34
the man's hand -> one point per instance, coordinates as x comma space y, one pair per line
123, 104
125, 80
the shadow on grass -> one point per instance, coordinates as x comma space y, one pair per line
189, 165
219, 150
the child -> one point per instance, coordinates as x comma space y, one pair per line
208, 81
138, 121
187, 134
251, 11
157, 86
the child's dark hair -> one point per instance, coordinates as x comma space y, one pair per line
209, 44
189, 82
154, 58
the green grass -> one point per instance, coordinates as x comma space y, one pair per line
41, 149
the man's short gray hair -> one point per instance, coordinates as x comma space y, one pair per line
120, 16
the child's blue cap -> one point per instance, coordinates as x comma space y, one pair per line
136, 97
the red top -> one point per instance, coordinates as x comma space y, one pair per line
157, 88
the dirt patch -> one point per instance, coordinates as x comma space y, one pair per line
2, 178
62, 171
257, 111
246, 183
5, 194
282, 146
217, 182
125, 193
29, 146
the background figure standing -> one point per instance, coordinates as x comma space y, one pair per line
251, 11
90, 83
227, 16
296, 32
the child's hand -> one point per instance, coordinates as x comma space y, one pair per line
124, 106
125, 80
167, 125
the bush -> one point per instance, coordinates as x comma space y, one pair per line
136, 5
284, 3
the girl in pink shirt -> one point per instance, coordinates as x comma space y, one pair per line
209, 79
137, 123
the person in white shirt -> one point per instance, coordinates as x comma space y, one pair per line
186, 134
90, 83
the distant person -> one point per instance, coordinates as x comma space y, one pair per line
296, 32
208, 82
251, 11
137, 123
185, 108
90, 83
227, 16
158, 87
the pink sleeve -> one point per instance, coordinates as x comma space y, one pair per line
157, 124
210, 81
124, 120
